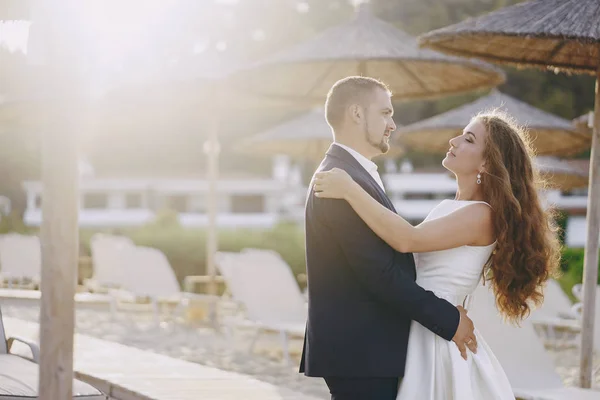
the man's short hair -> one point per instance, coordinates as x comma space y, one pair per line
348, 91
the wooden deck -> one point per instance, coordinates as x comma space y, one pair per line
27, 296
126, 373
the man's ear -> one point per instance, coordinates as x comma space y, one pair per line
356, 113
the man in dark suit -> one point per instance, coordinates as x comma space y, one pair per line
362, 294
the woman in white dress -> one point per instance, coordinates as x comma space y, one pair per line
495, 227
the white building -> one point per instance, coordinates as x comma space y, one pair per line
261, 202
120, 202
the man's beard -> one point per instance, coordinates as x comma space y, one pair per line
382, 145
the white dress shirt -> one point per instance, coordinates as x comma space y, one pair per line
367, 164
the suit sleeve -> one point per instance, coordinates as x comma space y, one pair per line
373, 262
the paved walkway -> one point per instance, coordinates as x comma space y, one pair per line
126, 373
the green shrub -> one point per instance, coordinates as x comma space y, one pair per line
561, 222
571, 259
572, 264
14, 223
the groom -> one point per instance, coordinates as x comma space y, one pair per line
362, 294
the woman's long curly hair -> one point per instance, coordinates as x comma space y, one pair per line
527, 253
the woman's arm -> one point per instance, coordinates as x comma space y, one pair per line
465, 226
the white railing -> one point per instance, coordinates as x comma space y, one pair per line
415, 210
576, 232
555, 198
430, 183
282, 201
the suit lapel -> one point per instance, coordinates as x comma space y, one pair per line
340, 153
347, 158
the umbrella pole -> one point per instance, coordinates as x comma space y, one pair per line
212, 149
59, 236
60, 250
590, 277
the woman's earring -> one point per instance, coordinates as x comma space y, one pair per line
479, 179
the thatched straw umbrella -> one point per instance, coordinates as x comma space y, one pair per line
365, 46
563, 35
12, 112
560, 174
305, 137
551, 135
13, 10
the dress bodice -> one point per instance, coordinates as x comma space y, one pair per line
452, 274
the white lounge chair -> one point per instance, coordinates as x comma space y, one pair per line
228, 303
19, 377
109, 264
521, 353
579, 306
149, 275
20, 259
577, 291
556, 320
263, 282
227, 263
556, 303
574, 326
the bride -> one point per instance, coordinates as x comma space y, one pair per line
495, 227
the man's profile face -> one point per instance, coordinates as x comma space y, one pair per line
379, 123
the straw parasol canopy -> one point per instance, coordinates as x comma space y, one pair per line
551, 134
366, 46
185, 93
557, 34
305, 137
563, 35
13, 10
560, 174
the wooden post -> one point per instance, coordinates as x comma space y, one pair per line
60, 245
57, 61
212, 149
590, 277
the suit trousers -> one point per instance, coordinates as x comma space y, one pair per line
363, 388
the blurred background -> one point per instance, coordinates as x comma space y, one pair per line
197, 126
142, 163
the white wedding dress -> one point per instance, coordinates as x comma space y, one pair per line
435, 369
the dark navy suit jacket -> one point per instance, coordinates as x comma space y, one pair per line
362, 293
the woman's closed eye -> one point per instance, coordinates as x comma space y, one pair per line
468, 138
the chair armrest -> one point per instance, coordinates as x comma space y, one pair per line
577, 291
571, 324
573, 313
35, 349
